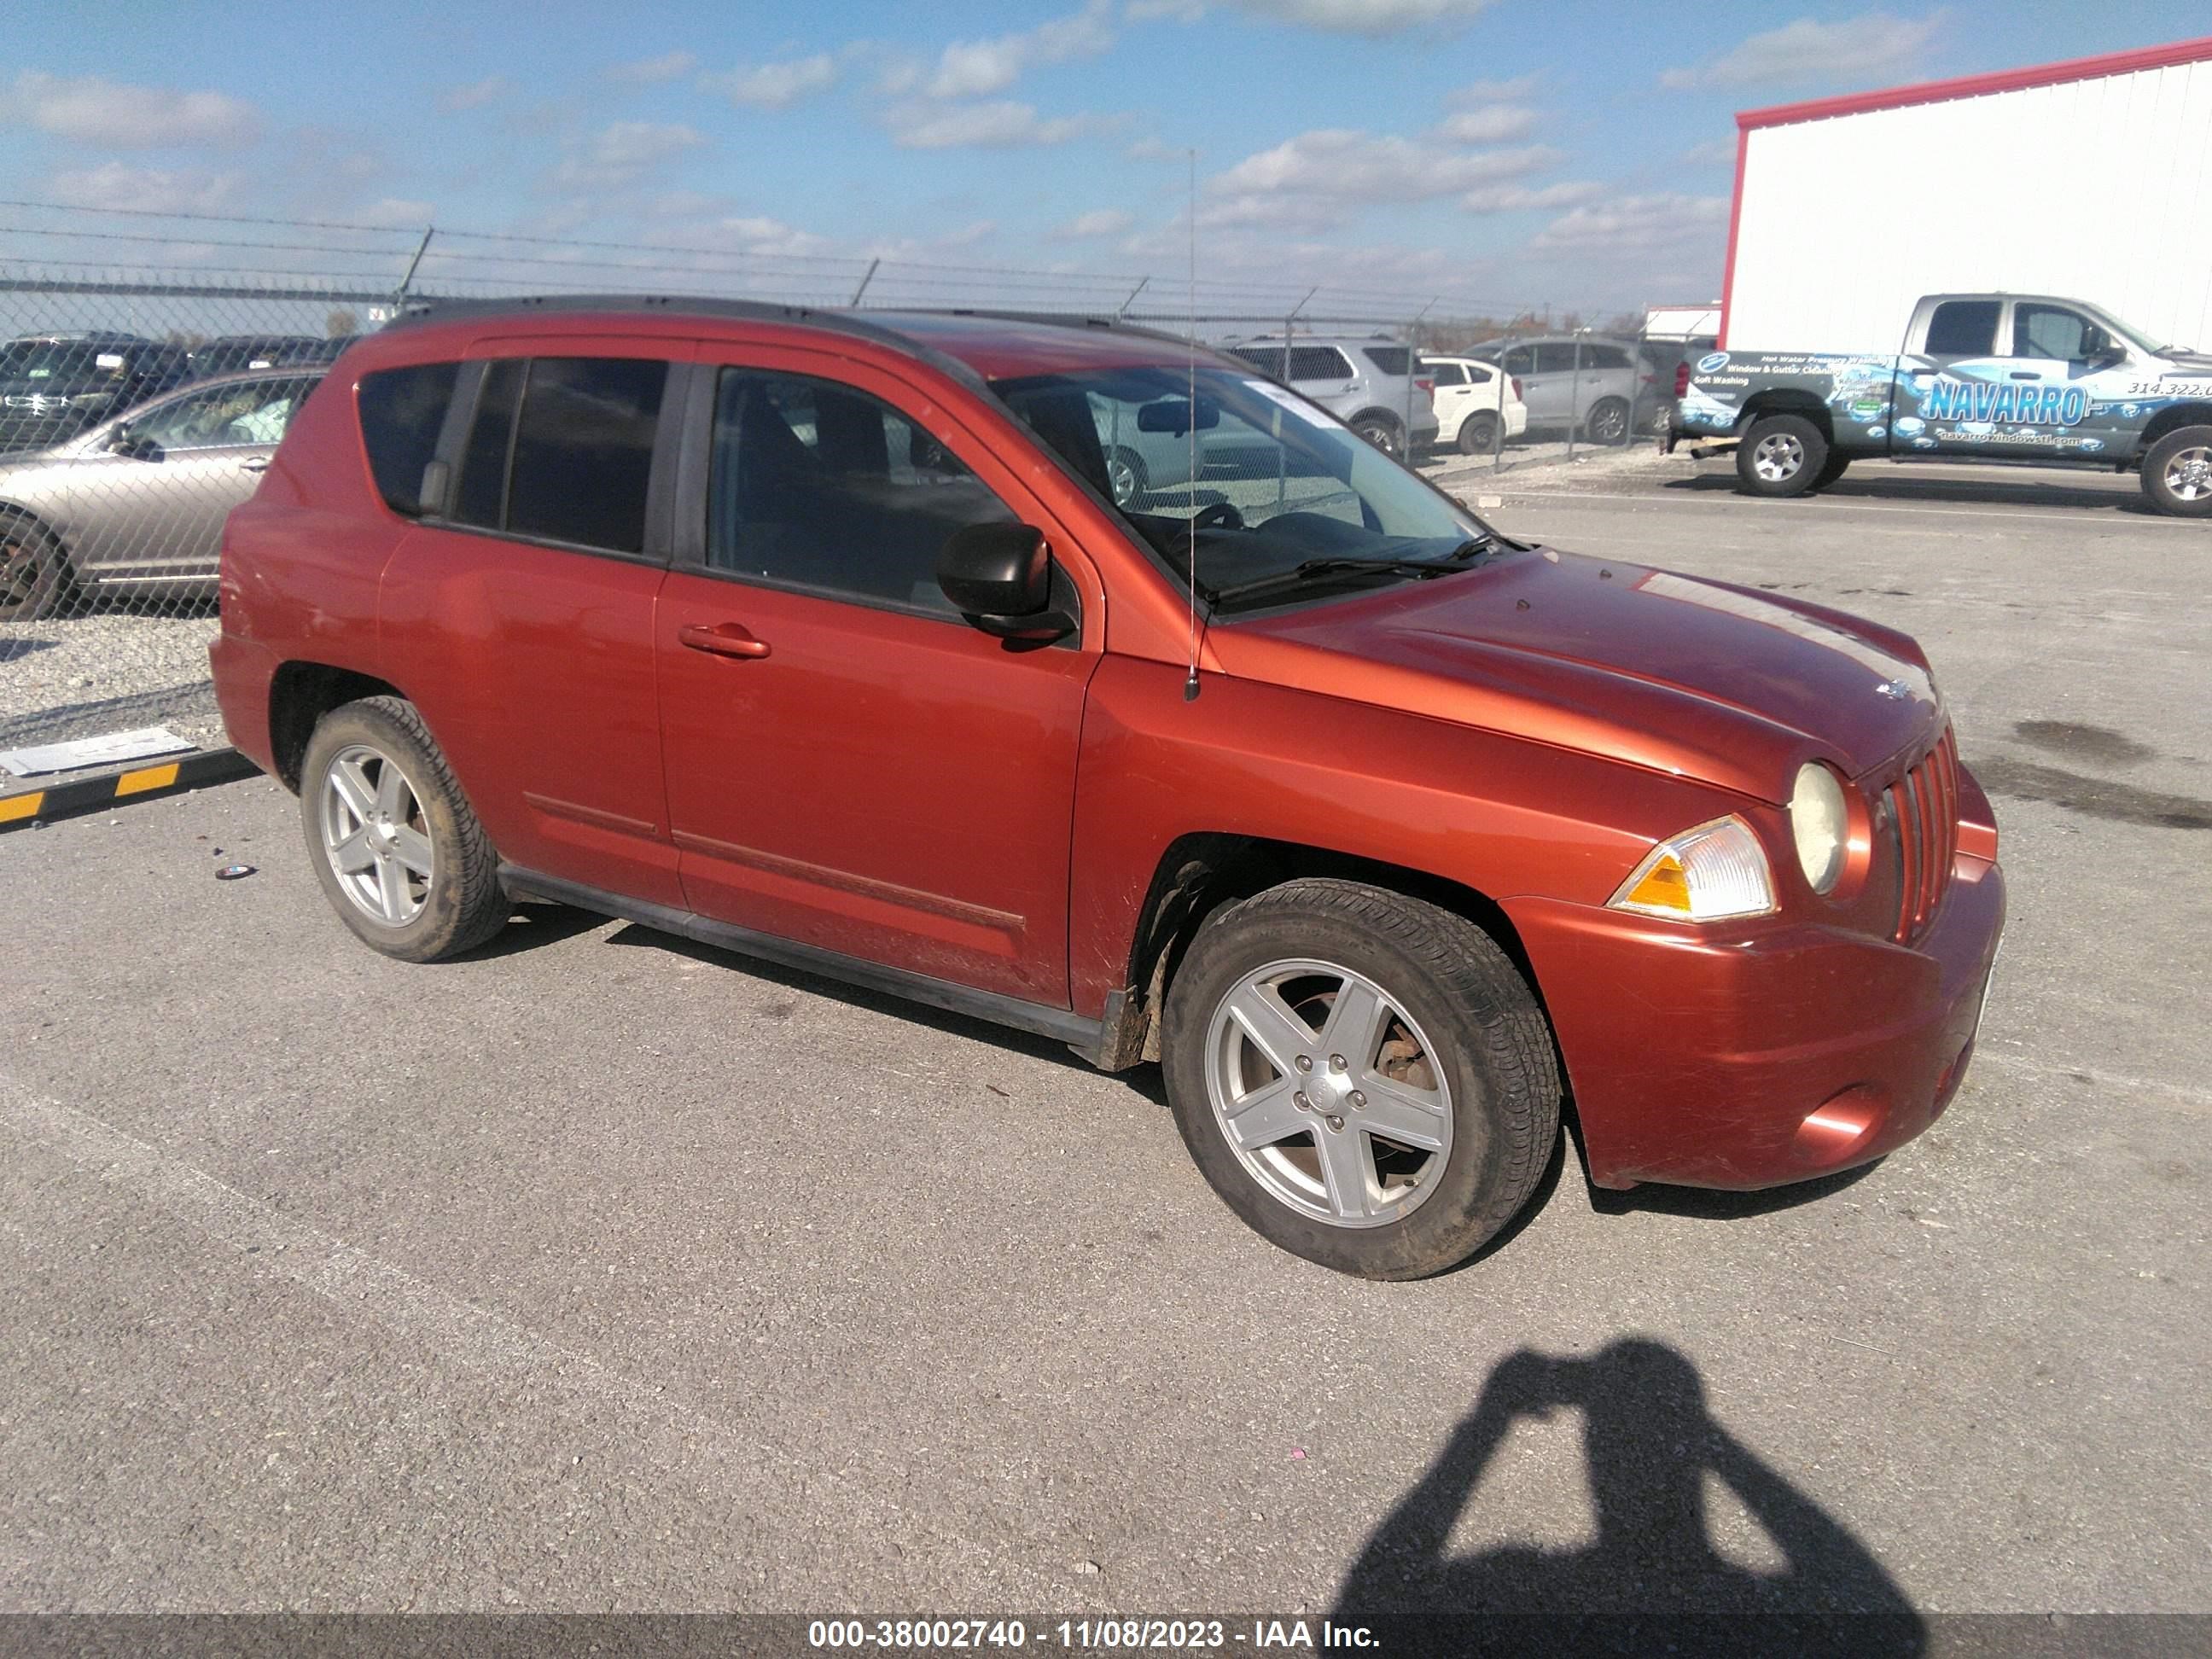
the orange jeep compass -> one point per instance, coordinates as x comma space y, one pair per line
825, 640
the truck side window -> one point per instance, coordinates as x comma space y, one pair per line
2047, 331
1964, 328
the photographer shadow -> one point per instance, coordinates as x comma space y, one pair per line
1652, 1575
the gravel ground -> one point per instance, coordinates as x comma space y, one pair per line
108, 671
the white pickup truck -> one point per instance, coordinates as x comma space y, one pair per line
1989, 377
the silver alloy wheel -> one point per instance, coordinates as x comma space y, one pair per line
2189, 474
1777, 456
1123, 478
375, 836
1325, 1090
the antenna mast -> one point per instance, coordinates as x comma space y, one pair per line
1190, 415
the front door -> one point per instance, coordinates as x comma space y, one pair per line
850, 765
156, 510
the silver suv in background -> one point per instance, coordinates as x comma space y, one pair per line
1363, 383
1572, 381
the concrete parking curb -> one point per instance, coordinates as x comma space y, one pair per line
75, 796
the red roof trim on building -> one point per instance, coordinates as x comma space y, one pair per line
1735, 221
1973, 86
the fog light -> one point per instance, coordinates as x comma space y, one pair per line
1839, 1127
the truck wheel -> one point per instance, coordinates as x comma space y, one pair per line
2177, 474
400, 854
1830, 470
1364, 1079
1607, 423
1381, 431
1477, 434
34, 572
1781, 455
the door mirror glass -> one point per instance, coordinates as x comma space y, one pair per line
999, 577
127, 441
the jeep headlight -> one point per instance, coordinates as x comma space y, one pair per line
1714, 871
1820, 824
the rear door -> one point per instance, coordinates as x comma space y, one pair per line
1956, 375
1454, 396
517, 614
851, 766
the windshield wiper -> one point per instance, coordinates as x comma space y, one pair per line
1315, 569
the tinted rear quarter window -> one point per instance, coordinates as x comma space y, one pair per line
1391, 360
401, 410
1602, 357
1963, 328
583, 450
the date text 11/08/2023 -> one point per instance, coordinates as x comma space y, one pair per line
1136, 1634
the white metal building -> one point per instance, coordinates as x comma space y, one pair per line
2091, 180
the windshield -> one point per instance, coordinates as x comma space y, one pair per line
2136, 337
1268, 481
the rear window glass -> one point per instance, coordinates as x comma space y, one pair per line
1599, 356
401, 410
481, 498
1963, 328
1391, 360
583, 450
1307, 362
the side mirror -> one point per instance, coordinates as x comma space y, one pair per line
999, 577
126, 440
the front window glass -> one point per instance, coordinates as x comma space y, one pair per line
223, 417
2047, 331
823, 486
1267, 481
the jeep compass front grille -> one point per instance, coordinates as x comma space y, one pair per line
1923, 817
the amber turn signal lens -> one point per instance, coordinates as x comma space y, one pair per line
1715, 870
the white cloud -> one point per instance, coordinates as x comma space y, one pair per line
1099, 222
1001, 125
147, 190
1489, 123
1511, 198
1713, 153
1149, 149
975, 69
476, 93
1372, 18
653, 71
619, 154
113, 116
1182, 11
1873, 43
392, 212
775, 85
1494, 92
1343, 165
1635, 223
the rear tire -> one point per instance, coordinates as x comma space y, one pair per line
1781, 455
2176, 473
1477, 434
1125, 471
1382, 432
34, 571
1442, 1039
1607, 423
400, 854
1830, 470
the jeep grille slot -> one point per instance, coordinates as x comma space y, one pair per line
1923, 815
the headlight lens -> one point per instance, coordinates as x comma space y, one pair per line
85, 400
1716, 870
1820, 823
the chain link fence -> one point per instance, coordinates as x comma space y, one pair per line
139, 404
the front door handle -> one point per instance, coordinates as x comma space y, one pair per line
723, 640
2026, 377
259, 464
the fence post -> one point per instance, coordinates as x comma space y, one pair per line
1575, 397
421, 248
869, 276
1131, 299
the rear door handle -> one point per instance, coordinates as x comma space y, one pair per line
259, 464
723, 640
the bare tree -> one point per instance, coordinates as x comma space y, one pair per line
340, 323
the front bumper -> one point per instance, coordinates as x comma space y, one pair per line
1770, 1056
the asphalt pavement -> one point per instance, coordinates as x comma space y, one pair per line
604, 1271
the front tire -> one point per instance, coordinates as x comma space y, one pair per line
1383, 433
1781, 455
34, 572
2176, 473
1477, 434
1364, 1077
1125, 472
399, 852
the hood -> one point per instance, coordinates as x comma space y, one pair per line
1694, 678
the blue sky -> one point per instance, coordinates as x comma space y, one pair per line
1519, 152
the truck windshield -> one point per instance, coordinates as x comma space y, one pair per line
1267, 482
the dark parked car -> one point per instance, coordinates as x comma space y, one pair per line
135, 505
825, 640
54, 385
235, 352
